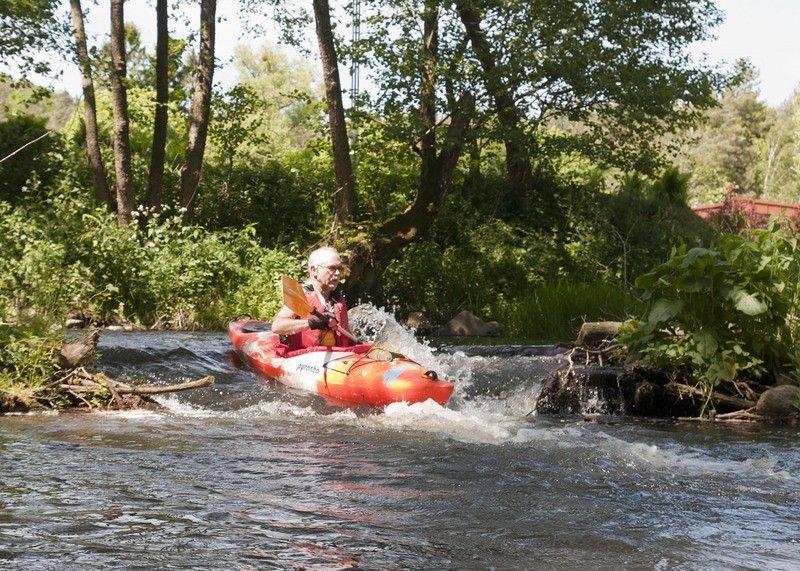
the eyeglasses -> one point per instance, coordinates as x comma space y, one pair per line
333, 267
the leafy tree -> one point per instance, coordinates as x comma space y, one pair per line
23, 98
727, 148
289, 93
30, 28
416, 54
622, 74
238, 115
780, 153
518, 160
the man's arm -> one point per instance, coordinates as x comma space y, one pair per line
286, 322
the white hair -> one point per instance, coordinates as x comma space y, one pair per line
319, 255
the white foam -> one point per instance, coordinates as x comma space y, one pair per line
430, 417
684, 460
261, 409
179, 408
272, 409
132, 414
491, 421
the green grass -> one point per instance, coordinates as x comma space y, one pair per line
554, 312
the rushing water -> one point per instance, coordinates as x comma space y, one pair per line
246, 475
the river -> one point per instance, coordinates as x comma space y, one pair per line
246, 475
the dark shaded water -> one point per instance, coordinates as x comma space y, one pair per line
246, 475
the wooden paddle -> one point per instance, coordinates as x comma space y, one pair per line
294, 297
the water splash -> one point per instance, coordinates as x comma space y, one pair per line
378, 326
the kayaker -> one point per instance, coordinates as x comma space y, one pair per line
298, 332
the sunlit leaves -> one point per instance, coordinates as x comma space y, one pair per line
747, 303
663, 310
29, 29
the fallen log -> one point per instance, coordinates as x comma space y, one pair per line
680, 390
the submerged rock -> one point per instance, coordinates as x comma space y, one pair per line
631, 390
581, 390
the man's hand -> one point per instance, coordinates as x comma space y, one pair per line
326, 321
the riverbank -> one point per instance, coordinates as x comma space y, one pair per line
598, 379
66, 384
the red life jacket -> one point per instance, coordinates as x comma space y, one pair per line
314, 337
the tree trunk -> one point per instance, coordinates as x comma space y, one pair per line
368, 261
155, 193
427, 96
201, 110
96, 169
122, 146
518, 166
344, 199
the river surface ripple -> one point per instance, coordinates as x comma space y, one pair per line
246, 475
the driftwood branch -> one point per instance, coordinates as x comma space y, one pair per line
204, 382
739, 416
606, 349
681, 390
85, 387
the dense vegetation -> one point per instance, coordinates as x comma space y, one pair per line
726, 312
525, 168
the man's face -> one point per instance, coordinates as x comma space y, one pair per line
328, 271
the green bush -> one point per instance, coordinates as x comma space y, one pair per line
34, 267
174, 272
26, 360
265, 194
62, 257
29, 158
723, 313
258, 294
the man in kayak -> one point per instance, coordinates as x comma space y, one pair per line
297, 332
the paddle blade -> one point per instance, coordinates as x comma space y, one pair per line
294, 297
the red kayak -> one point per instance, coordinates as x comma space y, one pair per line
362, 374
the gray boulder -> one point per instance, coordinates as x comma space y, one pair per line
467, 324
779, 402
593, 333
76, 354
